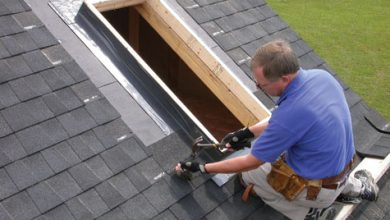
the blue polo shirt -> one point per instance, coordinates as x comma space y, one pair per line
312, 124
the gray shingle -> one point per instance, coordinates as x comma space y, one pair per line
241, 5
3, 50
25, 41
286, 34
139, 208
300, 48
199, 14
7, 187
42, 135
60, 157
4, 127
234, 208
102, 111
116, 214
123, 155
160, 195
256, 30
239, 56
20, 206
3, 10
57, 77
61, 212
112, 133
86, 145
36, 60
239, 20
307, 62
144, 173
44, 196
91, 172
168, 151
166, 215
223, 8
87, 91
75, 71
123, 185
207, 2
227, 41
62, 101
3, 213
116, 190
29, 87
267, 11
77, 121
352, 97
13, 6
18, 67
5, 71
87, 205
27, 20
57, 54
10, 149
212, 28
7, 96
273, 24
100, 169
12, 46
64, 185
9, 26
203, 200
25, 5
29, 171
26, 114
42, 37
267, 212
84, 176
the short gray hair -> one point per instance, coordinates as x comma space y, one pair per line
277, 59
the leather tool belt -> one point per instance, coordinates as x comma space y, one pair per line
285, 181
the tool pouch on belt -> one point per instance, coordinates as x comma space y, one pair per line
284, 180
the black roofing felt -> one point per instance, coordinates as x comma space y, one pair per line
65, 153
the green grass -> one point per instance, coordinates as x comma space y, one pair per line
352, 36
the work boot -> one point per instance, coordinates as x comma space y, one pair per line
369, 188
327, 213
368, 192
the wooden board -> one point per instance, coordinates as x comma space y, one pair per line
106, 5
224, 85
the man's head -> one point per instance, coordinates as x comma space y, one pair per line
274, 66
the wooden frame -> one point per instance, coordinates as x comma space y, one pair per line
106, 5
236, 97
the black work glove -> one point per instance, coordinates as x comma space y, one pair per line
239, 139
193, 166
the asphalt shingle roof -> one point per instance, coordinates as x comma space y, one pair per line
66, 153
240, 27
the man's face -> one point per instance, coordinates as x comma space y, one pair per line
272, 88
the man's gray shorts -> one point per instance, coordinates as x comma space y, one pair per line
298, 208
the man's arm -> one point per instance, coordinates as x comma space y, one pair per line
234, 165
258, 128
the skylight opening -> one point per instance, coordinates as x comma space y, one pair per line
175, 73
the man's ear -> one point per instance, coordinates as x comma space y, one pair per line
286, 78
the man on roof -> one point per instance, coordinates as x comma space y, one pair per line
301, 160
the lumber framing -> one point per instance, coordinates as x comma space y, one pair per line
244, 105
107, 5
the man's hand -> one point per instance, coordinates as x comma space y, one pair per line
191, 166
238, 139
